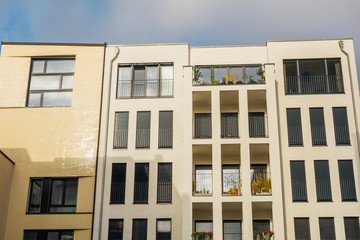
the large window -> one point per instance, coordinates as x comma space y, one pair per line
163, 229
48, 235
203, 226
145, 81
302, 229
260, 226
141, 185
323, 184
257, 124
313, 76
143, 130
121, 129
318, 133
139, 230
295, 137
53, 195
202, 184
118, 179
231, 180
116, 229
341, 126
202, 125
347, 182
164, 190
51, 82
352, 230
327, 228
229, 125
232, 230
165, 129
298, 181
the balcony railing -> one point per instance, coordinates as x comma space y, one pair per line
117, 192
165, 138
164, 192
314, 84
232, 184
202, 184
299, 192
141, 192
342, 135
295, 135
261, 183
121, 139
145, 88
233, 236
318, 135
229, 127
348, 191
142, 138
257, 126
202, 127
323, 190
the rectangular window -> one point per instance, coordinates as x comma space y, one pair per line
323, 184
232, 230
118, 180
51, 82
53, 195
318, 133
121, 129
302, 229
295, 137
143, 130
231, 180
203, 180
165, 129
260, 226
141, 185
116, 229
347, 182
48, 234
298, 181
341, 126
203, 226
163, 229
327, 228
257, 124
313, 76
352, 230
202, 125
164, 190
139, 231
229, 125
260, 179
145, 81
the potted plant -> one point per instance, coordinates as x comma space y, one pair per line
260, 72
197, 75
267, 235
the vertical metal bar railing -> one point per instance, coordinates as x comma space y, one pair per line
142, 138
121, 138
117, 192
165, 138
141, 192
164, 192
229, 127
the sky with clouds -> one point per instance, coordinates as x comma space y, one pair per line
197, 22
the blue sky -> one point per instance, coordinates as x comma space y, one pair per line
197, 22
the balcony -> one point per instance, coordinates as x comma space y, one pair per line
228, 75
260, 169
257, 113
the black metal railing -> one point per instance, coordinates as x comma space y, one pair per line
257, 126
141, 192
318, 135
202, 184
142, 138
165, 138
299, 192
117, 192
233, 236
164, 192
295, 135
348, 191
145, 88
342, 135
166, 87
314, 84
229, 127
121, 138
202, 127
232, 184
323, 190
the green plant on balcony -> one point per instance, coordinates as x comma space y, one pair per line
259, 185
251, 80
266, 235
197, 75
233, 78
233, 183
202, 235
261, 73
213, 81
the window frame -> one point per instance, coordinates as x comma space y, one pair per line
313, 126
163, 219
133, 229
307, 225
125, 144
316, 182
305, 183
122, 229
158, 181
122, 201
171, 144
291, 133
148, 183
348, 140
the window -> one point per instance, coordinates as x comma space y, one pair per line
145, 81
203, 226
256, 124
116, 229
298, 181
260, 179
48, 235
352, 230
231, 180
302, 229
51, 82
261, 226
295, 137
341, 126
118, 180
313, 76
202, 125
139, 231
318, 133
322, 177
53, 195
229, 125
121, 129
165, 129
143, 130
327, 228
347, 182
163, 229
164, 190
203, 180
141, 185
232, 230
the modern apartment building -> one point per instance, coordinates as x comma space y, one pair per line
50, 97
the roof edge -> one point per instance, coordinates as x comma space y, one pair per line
54, 44
2, 153
146, 44
309, 40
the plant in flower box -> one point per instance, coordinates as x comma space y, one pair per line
197, 235
267, 235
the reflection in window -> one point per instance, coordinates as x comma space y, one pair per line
203, 179
231, 180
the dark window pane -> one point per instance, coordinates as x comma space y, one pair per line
229, 125
143, 130
165, 129
67, 235
202, 125
30, 235
341, 126
118, 180
35, 198
164, 191
302, 229
298, 181
261, 226
63, 195
347, 182
52, 235
116, 227
139, 229
163, 229
295, 137
232, 230
256, 124
121, 129
327, 228
352, 230
57, 191
141, 185
322, 176
139, 81
335, 75
71, 192
318, 133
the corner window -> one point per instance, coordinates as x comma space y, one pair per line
51, 82
48, 234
